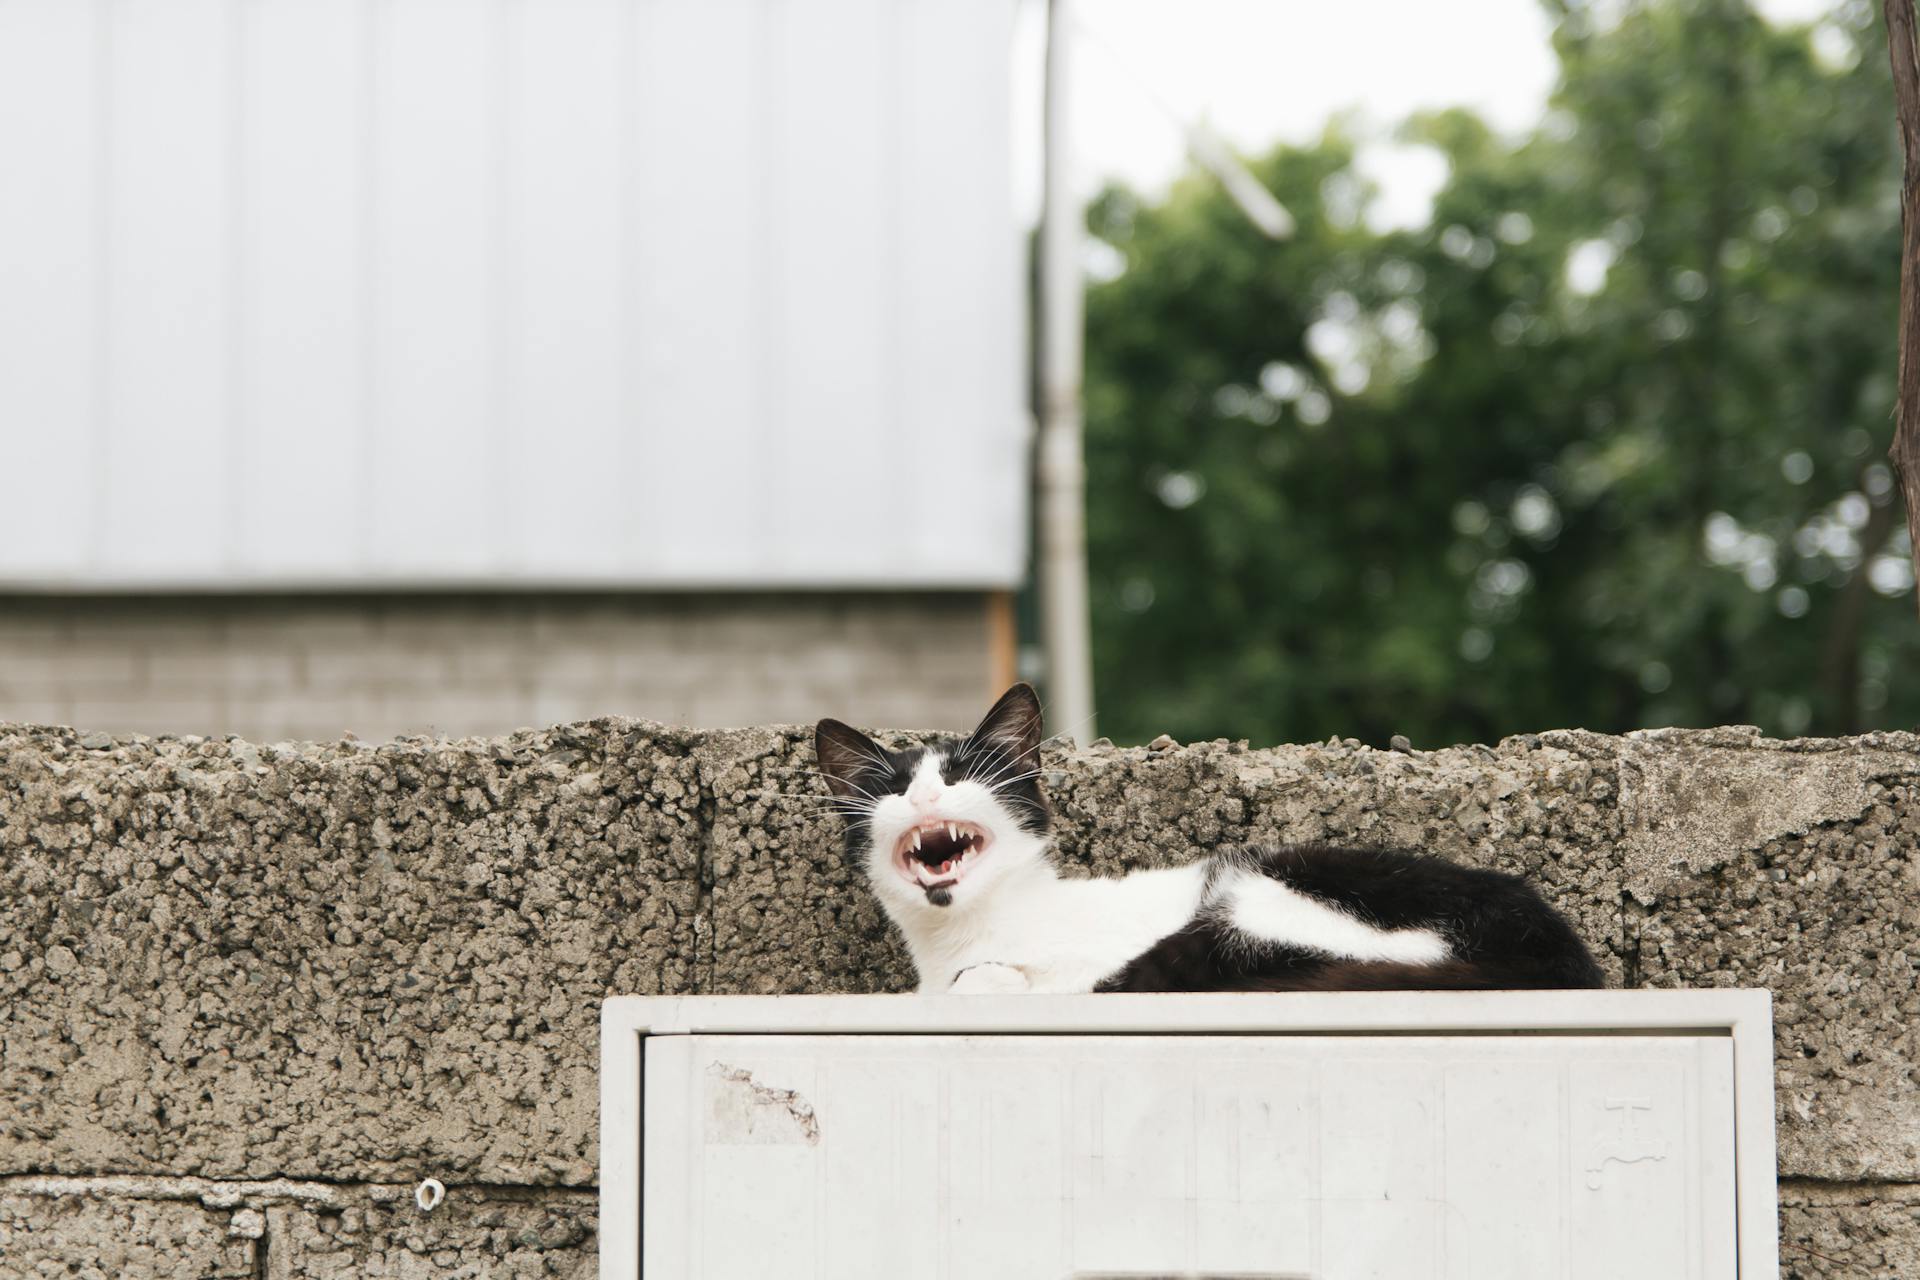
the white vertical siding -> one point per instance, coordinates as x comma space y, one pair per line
51, 134
169, 199
303, 288
435, 488
568, 121
701, 229
836, 244
648, 292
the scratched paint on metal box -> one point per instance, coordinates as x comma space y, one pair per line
743, 1112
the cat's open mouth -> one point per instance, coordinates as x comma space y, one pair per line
939, 851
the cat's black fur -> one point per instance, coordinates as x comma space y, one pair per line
1503, 936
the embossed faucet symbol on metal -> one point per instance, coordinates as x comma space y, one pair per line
1626, 1145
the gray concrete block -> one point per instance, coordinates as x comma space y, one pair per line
379, 664
100, 666
382, 666
93, 1237
1801, 873
33, 708
159, 1227
198, 711
789, 911
336, 962
463, 711
475, 1234
223, 667
367, 964
1849, 1231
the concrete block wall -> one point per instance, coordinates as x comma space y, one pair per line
251, 995
274, 668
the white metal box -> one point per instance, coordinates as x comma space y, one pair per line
1485, 1135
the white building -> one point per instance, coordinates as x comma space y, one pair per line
410, 365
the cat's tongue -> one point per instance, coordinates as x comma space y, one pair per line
941, 874
938, 851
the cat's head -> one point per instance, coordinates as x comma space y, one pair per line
938, 825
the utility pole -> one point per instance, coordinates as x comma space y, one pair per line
1060, 466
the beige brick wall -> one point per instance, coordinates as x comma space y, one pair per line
378, 666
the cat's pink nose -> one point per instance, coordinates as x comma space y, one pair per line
925, 794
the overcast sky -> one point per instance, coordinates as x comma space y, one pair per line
1265, 70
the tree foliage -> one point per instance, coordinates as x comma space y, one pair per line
1601, 445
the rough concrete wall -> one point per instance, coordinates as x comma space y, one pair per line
353, 967
314, 667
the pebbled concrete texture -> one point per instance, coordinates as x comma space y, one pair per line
91, 1237
204, 1229
481, 1234
234, 961
1815, 893
1849, 1231
362, 966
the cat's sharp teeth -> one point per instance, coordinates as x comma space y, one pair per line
916, 840
951, 835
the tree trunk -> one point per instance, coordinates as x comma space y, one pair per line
1906, 96
1838, 710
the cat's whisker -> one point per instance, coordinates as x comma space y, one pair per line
1024, 773
817, 773
834, 796
885, 767
826, 778
1002, 754
1073, 731
829, 803
803, 797
994, 759
817, 813
852, 785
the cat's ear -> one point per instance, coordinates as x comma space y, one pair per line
845, 754
1011, 731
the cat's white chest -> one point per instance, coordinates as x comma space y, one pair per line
1065, 935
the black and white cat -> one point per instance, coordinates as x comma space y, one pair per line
954, 838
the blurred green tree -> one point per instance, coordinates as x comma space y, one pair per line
1601, 445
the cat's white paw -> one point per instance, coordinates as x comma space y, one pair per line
989, 979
